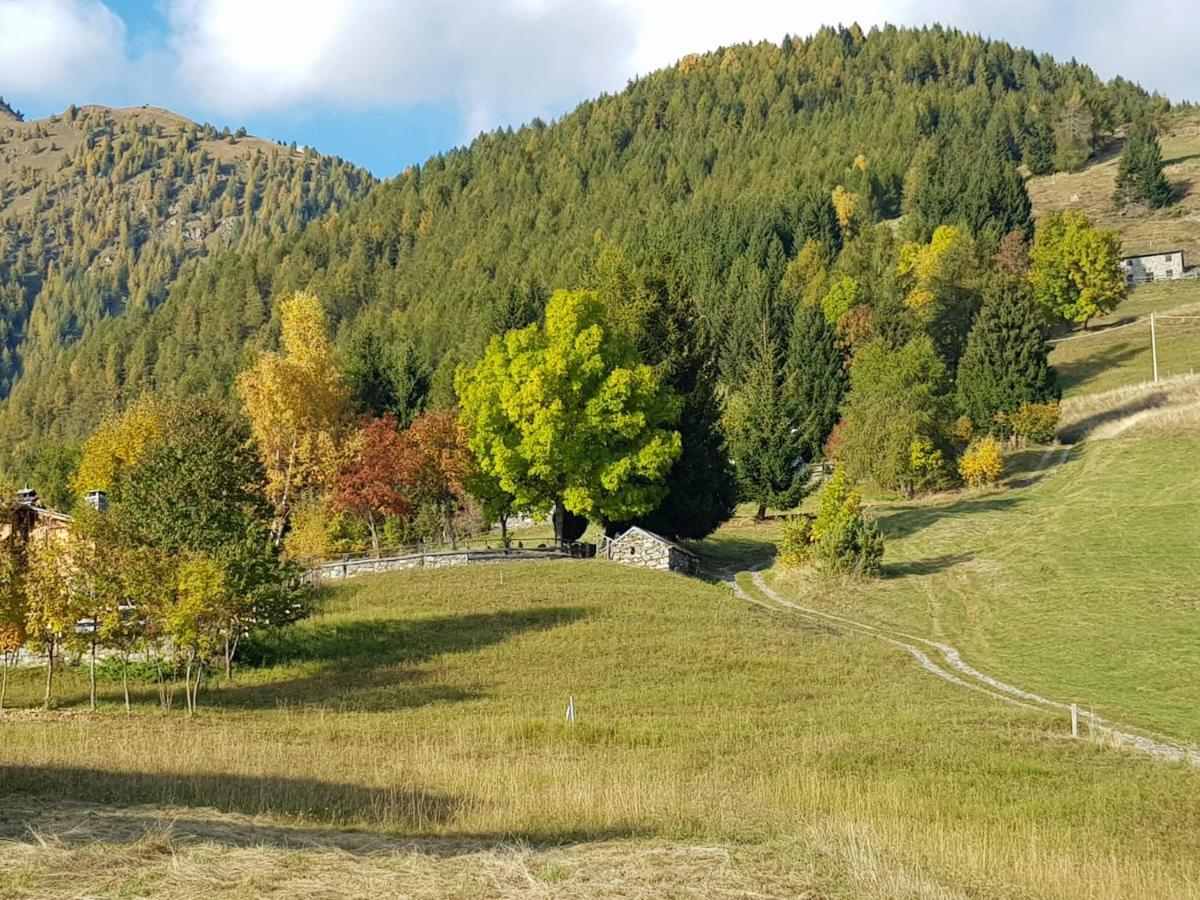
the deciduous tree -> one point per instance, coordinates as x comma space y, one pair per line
1076, 272
565, 416
298, 406
371, 483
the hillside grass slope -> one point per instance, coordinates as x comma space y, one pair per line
719, 748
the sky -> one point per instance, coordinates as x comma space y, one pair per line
387, 83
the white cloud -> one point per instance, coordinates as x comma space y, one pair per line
503, 61
59, 49
497, 60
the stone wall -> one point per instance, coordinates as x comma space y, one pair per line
351, 568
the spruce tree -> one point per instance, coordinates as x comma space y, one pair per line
816, 378
1140, 176
1005, 362
664, 324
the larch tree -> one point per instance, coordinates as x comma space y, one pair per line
298, 406
566, 417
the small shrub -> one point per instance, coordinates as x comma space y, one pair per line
842, 540
1035, 422
795, 543
926, 465
982, 463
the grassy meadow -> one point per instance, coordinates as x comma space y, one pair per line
719, 748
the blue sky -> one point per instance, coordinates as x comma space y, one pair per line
387, 83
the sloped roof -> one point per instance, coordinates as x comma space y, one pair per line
654, 537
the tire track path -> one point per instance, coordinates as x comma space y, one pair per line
946, 662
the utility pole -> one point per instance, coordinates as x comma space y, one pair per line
1154, 348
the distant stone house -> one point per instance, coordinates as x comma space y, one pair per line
647, 550
1145, 267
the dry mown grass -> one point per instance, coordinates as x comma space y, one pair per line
1171, 407
1142, 231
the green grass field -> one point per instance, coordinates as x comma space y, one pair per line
1116, 351
720, 748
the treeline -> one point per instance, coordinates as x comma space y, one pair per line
725, 162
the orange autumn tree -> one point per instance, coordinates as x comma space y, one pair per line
436, 464
371, 483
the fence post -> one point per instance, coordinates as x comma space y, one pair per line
1154, 347
1074, 720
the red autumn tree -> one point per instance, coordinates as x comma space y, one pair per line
436, 463
372, 483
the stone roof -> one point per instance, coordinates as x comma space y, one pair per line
654, 537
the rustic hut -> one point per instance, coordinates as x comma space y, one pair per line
647, 550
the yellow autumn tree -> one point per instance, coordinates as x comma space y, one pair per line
118, 443
298, 406
948, 259
845, 205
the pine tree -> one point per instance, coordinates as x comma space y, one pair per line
1140, 176
1005, 362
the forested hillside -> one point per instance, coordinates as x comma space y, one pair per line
722, 167
99, 211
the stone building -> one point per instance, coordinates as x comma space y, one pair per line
647, 550
32, 521
1146, 267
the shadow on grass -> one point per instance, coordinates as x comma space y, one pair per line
724, 555
1077, 431
77, 807
372, 665
1077, 372
907, 521
251, 795
930, 566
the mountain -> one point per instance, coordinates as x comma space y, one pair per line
101, 209
723, 163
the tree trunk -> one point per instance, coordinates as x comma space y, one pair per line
560, 522
761, 514
92, 674
49, 674
374, 534
4, 680
504, 530
228, 660
125, 677
187, 685
448, 512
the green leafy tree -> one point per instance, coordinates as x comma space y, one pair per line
565, 416
384, 375
1140, 176
51, 609
897, 416
1076, 270
1005, 364
201, 490
194, 622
